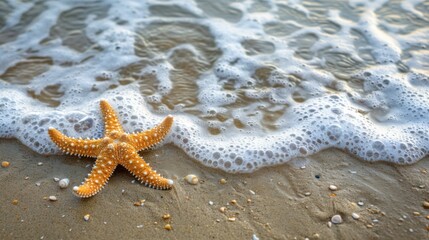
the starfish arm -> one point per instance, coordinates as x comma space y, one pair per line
111, 121
75, 146
149, 138
144, 173
98, 177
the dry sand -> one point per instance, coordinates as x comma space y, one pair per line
271, 203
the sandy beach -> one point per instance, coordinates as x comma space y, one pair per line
290, 201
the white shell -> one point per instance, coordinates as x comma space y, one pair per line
192, 179
64, 183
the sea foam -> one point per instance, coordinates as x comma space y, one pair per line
257, 85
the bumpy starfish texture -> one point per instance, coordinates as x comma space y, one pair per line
117, 147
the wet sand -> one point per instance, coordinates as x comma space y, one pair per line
280, 202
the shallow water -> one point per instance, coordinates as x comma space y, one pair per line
250, 83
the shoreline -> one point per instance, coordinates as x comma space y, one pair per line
281, 202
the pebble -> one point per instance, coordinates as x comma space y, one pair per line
231, 219
337, 219
168, 227
307, 194
426, 204
37, 184
222, 181
15, 202
166, 216
53, 198
64, 183
26, 178
333, 188
222, 209
329, 224
252, 192
302, 167
192, 179
355, 216
360, 203
427, 217
56, 179
211, 203
39, 164
5, 164
86, 217
254, 237
140, 226
233, 201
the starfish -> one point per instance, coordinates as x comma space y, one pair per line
117, 147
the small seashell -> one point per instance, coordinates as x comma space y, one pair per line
222, 209
53, 198
192, 179
5, 164
64, 183
168, 227
336, 219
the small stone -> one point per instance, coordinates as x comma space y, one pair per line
426, 204
15, 201
337, 219
140, 226
360, 203
302, 167
137, 204
252, 192
233, 201
217, 220
166, 216
39, 164
307, 194
231, 219
329, 224
56, 179
26, 178
249, 200
211, 203
86, 217
222, 181
254, 237
333, 188
168, 227
52, 198
427, 217
416, 213
355, 216
37, 184
5, 164
375, 221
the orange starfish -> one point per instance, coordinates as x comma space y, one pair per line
117, 147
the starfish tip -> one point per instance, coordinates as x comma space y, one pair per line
170, 182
